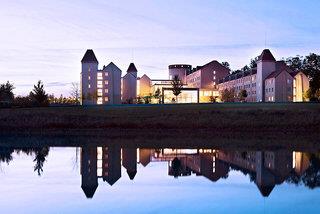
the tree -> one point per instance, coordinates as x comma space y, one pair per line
176, 86
157, 95
295, 63
212, 99
226, 64
243, 95
312, 68
228, 95
147, 99
40, 158
38, 95
6, 92
75, 92
253, 62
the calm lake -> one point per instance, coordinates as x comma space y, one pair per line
112, 179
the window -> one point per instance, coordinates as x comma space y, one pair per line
106, 74
214, 72
106, 82
99, 84
106, 90
99, 92
89, 86
288, 81
106, 99
99, 100
214, 77
89, 77
99, 76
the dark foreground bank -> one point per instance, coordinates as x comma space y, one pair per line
302, 118
212, 118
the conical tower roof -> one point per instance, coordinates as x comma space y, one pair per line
89, 57
266, 55
132, 68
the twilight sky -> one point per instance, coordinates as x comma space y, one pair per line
46, 39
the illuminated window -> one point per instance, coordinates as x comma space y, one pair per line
99, 84
89, 69
99, 100
106, 90
106, 74
214, 77
106, 82
99, 76
99, 92
214, 72
89, 86
106, 99
89, 77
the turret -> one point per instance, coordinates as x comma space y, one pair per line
89, 70
266, 65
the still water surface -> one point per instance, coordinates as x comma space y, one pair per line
132, 180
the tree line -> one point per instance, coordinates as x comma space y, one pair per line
37, 96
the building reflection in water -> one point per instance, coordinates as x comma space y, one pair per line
266, 169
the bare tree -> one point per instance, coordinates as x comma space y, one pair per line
75, 92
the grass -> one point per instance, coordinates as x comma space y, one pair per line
212, 118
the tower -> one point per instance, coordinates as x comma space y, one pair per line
129, 84
89, 178
89, 71
266, 65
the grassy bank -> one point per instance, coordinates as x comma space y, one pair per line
212, 118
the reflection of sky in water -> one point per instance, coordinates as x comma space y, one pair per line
58, 190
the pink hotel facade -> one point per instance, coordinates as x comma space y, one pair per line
271, 81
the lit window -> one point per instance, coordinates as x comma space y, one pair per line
106, 74
89, 69
106, 91
99, 92
99, 76
106, 99
99, 100
106, 82
89, 86
214, 77
214, 72
99, 84
89, 77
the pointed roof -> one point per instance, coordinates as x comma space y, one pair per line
112, 180
132, 68
265, 190
111, 67
132, 174
89, 190
266, 55
89, 57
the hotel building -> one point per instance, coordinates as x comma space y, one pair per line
270, 81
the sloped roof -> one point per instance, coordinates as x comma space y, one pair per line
89, 57
265, 190
132, 68
132, 174
89, 190
274, 74
266, 55
111, 66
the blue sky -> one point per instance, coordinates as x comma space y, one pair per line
46, 39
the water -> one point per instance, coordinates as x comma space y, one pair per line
111, 179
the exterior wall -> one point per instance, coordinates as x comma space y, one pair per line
247, 83
89, 83
113, 93
211, 73
129, 87
180, 70
300, 87
270, 90
144, 86
194, 79
284, 87
264, 68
